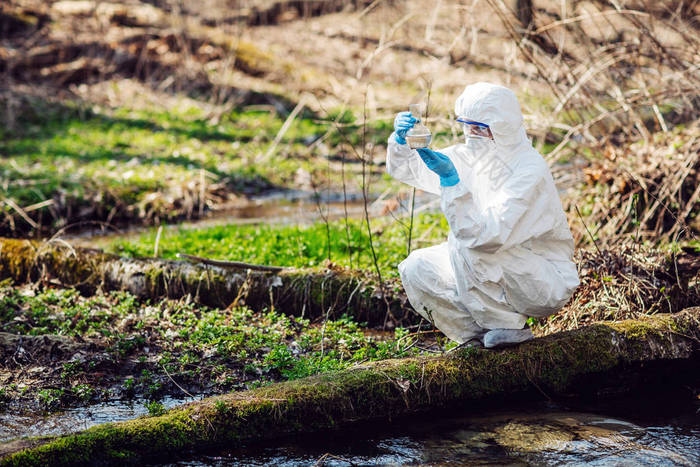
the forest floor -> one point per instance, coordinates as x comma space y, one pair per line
61, 349
137, 114
64, 349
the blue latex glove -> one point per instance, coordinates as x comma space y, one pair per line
441, 165
403, 122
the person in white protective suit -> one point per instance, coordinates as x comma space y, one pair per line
508, 255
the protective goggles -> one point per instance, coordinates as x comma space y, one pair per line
478, 129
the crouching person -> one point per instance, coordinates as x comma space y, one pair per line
508, 255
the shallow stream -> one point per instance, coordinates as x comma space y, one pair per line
13, 425
622, 433
278, 208
661, 430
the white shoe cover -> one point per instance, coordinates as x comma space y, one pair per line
503, 337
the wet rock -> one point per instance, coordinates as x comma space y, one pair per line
529, 437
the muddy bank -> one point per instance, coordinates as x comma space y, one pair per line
584, 361
306, 293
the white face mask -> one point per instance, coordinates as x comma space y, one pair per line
479, 144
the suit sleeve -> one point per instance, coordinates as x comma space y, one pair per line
405, 165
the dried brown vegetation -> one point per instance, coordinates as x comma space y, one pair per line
626, 88
628, 282
610, 90
111, 40
642, 191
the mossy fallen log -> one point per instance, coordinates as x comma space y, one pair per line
585, 360
311, 293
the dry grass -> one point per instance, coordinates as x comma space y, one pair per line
625, 88
642, 192
611, 86
626, 283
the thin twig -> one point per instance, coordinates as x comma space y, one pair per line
157, 242
365, 194
175, 382
285, 126
589, 232
230, 264
11, 203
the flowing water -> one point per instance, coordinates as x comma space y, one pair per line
659, 430
637, 433
13, 425
279, 208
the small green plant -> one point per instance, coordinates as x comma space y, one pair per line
84, 392
153, 389
279, 358
307, 366
258, 383
70, 369
129, 384
126, 344
221, 407
155, 408
50, 398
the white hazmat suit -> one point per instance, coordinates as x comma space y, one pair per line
509, 251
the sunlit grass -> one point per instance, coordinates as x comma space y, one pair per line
298, 245
74, 153
134, 151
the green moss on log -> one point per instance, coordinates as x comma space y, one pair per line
382, 390
308, 292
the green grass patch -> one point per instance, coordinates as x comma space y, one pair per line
135, 152
138, 348
296, 245
151, 164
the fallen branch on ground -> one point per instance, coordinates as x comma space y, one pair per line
310, 293
230, 264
